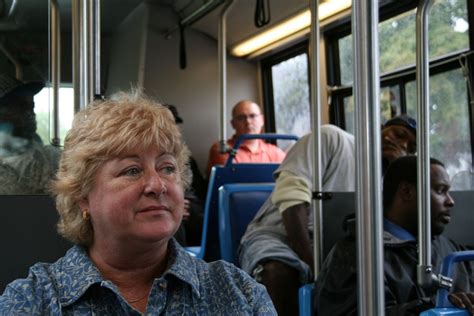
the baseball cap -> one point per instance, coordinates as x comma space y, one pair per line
174, 111
10, 86
402, 120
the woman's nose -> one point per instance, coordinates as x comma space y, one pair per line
154, 184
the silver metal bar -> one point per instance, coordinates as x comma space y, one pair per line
10, 57
55, 51
424, 272
76, 54
195, 16
222, 69
82, 53
368, 161
88, 50
316, 128
96, 39
13, 8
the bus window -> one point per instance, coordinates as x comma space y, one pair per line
450, 136
291, 96
43, 113
397, 41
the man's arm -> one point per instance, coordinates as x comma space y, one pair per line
463, 300
295, 220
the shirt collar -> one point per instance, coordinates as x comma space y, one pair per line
182, 266
258, 149
397, 231
76, 272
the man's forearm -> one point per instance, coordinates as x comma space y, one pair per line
295, 220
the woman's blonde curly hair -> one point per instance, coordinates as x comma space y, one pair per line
100, 132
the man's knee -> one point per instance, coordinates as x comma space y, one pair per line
272, 272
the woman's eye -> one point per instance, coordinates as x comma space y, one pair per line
169, 169
131, 171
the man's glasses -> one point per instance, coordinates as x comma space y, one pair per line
243, 117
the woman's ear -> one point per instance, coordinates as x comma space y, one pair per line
84, 204
407, 191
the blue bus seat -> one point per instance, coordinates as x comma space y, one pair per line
305, 299
443, 305
220, 175
238, 204
209, 249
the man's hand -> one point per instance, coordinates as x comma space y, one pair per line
463, 300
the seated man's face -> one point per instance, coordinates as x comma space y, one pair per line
441, 201
247, 119
397, 141
19, 113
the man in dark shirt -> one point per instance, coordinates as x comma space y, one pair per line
336, 291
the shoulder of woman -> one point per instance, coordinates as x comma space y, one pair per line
29, 295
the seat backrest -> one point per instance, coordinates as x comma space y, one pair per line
343, 203
28, 235
335, 209
238, 204
462, 219
237, 173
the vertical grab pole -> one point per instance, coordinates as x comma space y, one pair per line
55, 53
82, 53
88, 50
316, 124
425, 276
222, 69
76, 56
96, 40
368, 153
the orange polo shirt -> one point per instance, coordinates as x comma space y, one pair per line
264, 152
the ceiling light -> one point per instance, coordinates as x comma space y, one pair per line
288, 27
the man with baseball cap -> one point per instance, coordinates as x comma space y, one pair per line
31, 165
398, 139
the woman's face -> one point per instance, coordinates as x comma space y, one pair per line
136, 197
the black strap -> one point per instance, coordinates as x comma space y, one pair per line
182, 48
262, 13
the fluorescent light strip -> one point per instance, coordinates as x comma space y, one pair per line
288, 27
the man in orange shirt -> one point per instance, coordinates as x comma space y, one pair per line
246, 119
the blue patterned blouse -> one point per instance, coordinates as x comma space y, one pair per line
74, 286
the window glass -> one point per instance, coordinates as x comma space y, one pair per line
389, 102
43, 112
450, 135
349, 114
397, 39
291, 96
389, 106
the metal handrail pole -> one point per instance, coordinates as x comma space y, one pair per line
88, 47
55, 38
424, 270
194, 16
316, 130
76, 53
368, 161
222, 69
96, 39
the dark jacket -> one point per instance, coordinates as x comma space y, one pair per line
336, 290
